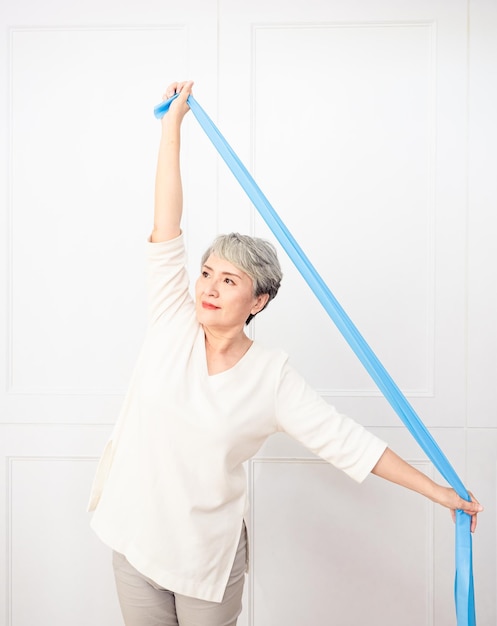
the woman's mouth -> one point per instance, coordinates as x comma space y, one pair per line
209, 307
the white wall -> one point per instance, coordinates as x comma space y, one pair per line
370, 126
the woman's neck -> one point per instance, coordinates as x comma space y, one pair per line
225, 342
223, 352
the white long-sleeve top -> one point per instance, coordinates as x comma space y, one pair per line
170, 490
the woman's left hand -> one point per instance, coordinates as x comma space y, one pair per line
449, 498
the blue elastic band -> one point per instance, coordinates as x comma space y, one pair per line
464, 592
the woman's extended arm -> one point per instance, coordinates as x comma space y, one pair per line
168, 188
393, 468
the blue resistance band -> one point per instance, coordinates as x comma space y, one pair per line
463, 586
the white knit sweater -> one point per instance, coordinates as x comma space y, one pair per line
170, 490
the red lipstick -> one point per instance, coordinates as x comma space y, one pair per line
210, 307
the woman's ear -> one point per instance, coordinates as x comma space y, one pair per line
261, 302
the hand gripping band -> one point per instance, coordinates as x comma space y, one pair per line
463, 586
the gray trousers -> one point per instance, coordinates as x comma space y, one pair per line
144, 603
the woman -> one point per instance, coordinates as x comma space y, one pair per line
170, 495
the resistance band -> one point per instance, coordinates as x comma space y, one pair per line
464, 592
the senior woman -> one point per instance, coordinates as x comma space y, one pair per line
170, 492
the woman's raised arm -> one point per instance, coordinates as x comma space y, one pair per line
168, 206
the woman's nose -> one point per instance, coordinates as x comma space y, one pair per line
212, 289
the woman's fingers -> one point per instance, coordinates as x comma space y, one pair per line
471, 508
170, 91
184, 87
476, 508
179, 106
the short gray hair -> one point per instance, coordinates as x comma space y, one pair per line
256, 257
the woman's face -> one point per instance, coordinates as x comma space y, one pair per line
224, 295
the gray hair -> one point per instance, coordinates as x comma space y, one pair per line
256, 257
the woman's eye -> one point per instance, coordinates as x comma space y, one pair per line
228, 281
205, 274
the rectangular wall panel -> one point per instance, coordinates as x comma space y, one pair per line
355, 183
59, 572
82, 183
320, 542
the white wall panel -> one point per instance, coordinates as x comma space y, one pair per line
60, 573
355, 182
317, 548
53, 569
351, 141
81, 180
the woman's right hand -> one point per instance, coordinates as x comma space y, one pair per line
179, 107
